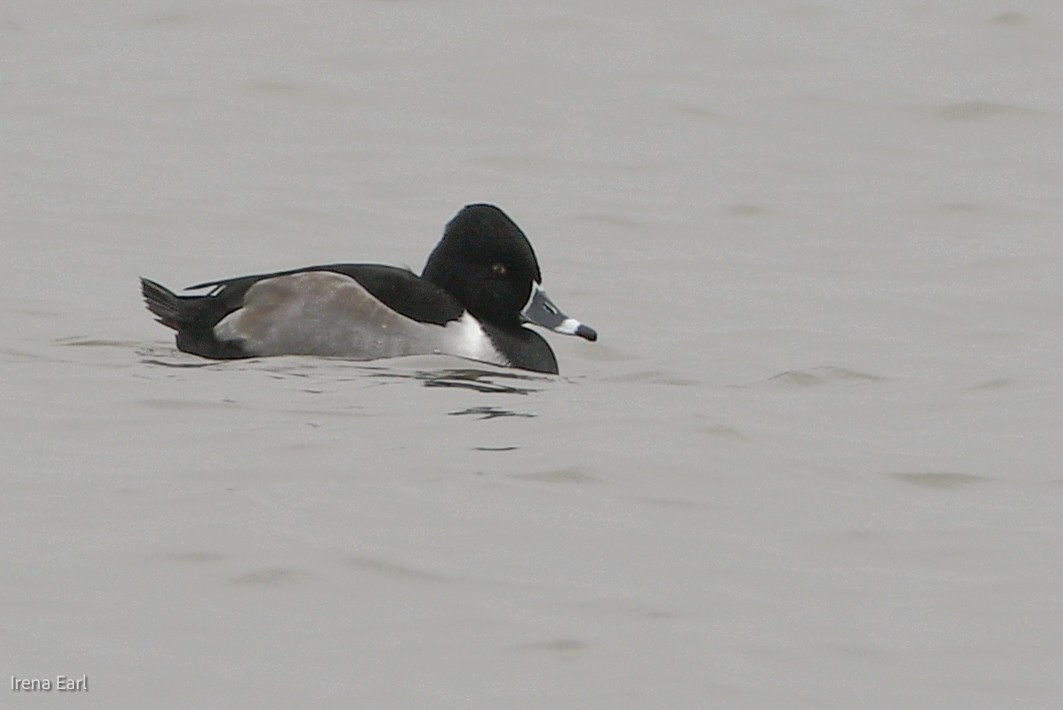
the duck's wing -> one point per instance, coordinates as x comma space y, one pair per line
399, 289
359, 311
329, 313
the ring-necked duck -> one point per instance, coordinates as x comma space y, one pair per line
481, 283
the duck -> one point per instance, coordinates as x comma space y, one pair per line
478, 290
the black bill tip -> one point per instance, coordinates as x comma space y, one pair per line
586, 332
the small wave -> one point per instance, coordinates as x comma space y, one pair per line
561, 645
654, 377
489, 413
83, 342
939, 480
974, 110
394, 569
570, 474
722, 431
994, 384
268, 577
822, 375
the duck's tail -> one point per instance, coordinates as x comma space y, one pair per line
163, 303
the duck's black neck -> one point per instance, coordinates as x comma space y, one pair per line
524, 348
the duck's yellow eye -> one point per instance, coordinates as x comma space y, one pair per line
499, 269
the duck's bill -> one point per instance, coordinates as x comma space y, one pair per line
540, 310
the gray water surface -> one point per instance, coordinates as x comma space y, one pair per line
813, 460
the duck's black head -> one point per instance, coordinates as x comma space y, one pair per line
485, 261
